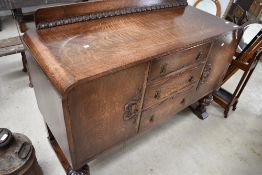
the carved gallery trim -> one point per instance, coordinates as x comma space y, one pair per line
106, 14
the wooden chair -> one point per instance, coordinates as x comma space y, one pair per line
243, 11
236, 14
12, 46
246, 61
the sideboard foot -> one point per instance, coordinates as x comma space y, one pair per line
67, 167
83, 171
24, 61
199, 108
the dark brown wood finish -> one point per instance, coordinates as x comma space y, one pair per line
97, 82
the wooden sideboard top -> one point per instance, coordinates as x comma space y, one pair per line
73, 53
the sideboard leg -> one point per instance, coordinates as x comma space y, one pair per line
60, 155
83, 171
24, 61
199, 108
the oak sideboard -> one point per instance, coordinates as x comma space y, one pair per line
105, 71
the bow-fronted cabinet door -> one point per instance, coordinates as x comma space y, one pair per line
104, 112
219, 59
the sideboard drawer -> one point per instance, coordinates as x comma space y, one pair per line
167, 108
173, 62
171, 84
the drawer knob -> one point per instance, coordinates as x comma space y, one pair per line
157, 94
199, 55
163, 68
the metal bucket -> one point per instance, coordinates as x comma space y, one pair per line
17, 155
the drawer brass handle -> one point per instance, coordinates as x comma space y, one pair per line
157, 94
191, 79
163, 69
199, 55
151, 118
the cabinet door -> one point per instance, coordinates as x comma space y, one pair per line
103, 112
219, 59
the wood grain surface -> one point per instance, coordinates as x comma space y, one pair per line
101, 82
84, 51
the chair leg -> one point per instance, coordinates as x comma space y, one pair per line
24, 62
226, 113
235, 106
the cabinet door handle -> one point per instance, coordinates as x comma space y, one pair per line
163, 69
131, 109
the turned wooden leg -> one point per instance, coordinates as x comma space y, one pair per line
235, 106
60, 155
24, 62
199, 108
83, 171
